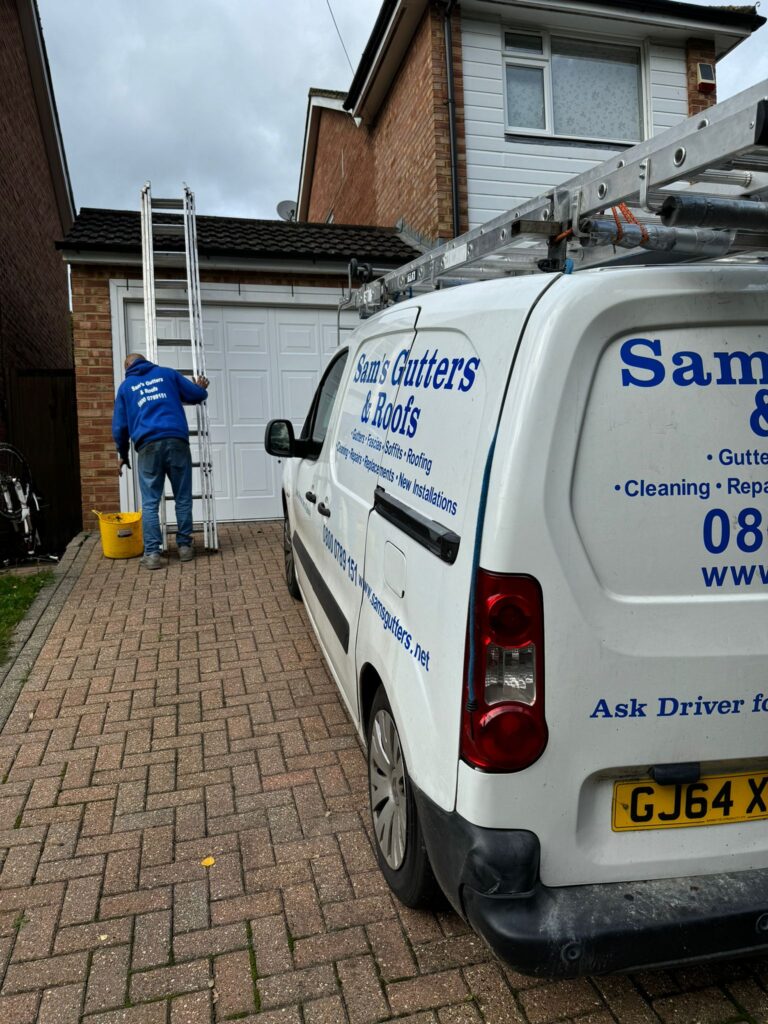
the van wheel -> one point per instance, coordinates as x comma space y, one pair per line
290, 565
398, 841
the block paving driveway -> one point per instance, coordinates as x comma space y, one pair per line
186, 714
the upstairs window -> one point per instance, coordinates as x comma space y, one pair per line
572, 88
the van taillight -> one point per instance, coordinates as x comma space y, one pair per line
503, 727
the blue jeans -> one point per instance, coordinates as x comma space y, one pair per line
168, 457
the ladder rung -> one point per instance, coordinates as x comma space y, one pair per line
167, 204
195, 497
182, 311
167, 229
173, 342
171, 282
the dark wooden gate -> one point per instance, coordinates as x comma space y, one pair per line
42, 424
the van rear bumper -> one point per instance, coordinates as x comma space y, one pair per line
492, 878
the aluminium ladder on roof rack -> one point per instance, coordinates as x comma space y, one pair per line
178, 219
687, 186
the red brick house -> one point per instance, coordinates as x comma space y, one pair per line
36, 207
270, 291
460, 110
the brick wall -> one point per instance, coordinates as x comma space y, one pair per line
699, 51
400, 167
34, 320
92, 331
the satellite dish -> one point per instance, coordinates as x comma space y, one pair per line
287, 209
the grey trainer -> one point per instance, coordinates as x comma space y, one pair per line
154, 560
186, 553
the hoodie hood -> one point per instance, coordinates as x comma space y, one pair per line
140, 368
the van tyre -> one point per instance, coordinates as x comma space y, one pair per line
397, 836
289, 559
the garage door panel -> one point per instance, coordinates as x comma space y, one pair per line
250, 337
298, 339
213, 334
251, 399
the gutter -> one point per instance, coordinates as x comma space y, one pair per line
331, 268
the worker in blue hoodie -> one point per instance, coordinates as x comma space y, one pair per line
149, 410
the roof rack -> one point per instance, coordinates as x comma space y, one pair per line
697, 190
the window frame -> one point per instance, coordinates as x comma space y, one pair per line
543, 60
315, 448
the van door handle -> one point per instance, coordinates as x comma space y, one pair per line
311, 497
323, 509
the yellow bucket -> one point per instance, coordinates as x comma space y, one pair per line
121, 534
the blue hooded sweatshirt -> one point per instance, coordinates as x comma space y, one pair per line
148, 405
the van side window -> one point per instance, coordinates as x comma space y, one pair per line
319, 416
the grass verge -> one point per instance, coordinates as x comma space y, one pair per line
16, 595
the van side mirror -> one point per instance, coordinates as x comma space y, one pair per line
279, 440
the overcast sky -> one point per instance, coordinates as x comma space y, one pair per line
214, 92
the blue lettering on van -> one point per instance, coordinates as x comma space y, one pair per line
644, 367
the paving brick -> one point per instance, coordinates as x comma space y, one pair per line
108, 979
34, 938
81, 900
708, 1007
234, 984
325, 1011
392, 951
19, 1009
194, 1008
327, 947
168, 981
427, 992
155, 1013
36, 974
210, 941
361, 989
190, 906
61, 1005
364, 911
302, 910
626, 1002
559, 999
243, 908
271, 945
151, 940
96, 935
297, 986
496, 1002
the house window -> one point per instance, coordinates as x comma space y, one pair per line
572, 88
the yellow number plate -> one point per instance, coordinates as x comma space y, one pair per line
714, 800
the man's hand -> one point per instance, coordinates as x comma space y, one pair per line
123, 462
202, 382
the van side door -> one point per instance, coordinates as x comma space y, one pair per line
368, 409
307, 509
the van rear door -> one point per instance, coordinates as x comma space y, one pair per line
631, 481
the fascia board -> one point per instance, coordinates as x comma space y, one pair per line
394, 45
687, 25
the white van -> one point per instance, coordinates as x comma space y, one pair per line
528, 520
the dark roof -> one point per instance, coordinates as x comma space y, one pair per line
742, 17
119, 231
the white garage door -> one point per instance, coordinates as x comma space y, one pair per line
262, 363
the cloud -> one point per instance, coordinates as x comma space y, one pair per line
214, 92
211, 93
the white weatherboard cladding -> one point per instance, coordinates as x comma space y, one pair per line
503, 171
627, 612
262, 363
